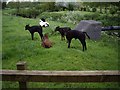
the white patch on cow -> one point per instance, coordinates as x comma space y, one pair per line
43, 24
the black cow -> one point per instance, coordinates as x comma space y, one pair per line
77, 35
34, 29
63, 31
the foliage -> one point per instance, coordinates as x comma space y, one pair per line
94, 9
88, 9
27, 9
75, 17
113, 7
3, 5
28, 13
54, 16
113, 11
70, 7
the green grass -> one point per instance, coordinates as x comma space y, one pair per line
18, 46
0, 44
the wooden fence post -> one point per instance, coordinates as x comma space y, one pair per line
22, 66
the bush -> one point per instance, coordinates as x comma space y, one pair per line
52, 16
93, 16
70, 7
94, 9
118, 13
113, 11
70, 17
28, 13
88, 9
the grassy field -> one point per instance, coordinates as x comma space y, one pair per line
18, 46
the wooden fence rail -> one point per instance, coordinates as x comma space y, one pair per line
60, 76
23, 76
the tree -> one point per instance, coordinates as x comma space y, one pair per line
70, 7
62, 5
3, 5
0, 5
49, 6
18, 6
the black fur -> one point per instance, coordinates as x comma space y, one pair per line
63, 31
43, 19
34, 29
77, 35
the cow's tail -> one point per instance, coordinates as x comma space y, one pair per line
86, 34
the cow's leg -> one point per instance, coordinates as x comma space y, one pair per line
69, 41
41, 35
83, 44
